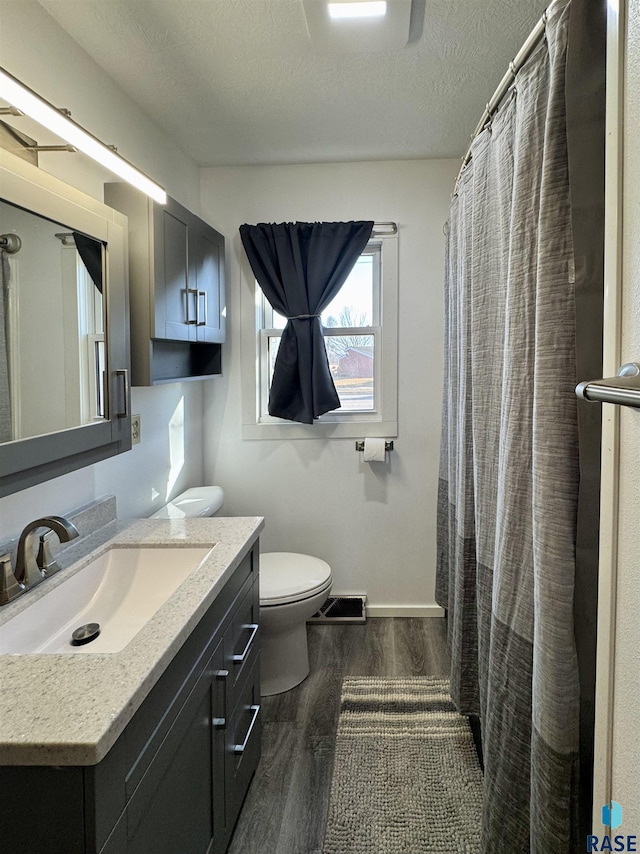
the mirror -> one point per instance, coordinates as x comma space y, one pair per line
64, 328
52, 360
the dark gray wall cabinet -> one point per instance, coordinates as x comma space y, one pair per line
176, 778
176, 266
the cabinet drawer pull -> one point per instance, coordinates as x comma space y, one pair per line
221, 674
218, 723
240, 748
238, 659
202, 322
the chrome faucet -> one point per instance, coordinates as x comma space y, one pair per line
32, 569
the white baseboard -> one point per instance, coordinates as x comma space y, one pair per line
404, 611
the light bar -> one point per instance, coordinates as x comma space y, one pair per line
32, 105
364, 9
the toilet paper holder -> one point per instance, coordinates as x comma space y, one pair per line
388, 445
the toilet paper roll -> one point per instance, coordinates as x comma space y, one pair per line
374, 451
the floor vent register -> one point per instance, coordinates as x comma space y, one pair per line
342, 609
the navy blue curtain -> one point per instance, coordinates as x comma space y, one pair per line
90, 251
300, 267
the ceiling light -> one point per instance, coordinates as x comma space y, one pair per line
32, 105
362, 9
389, 30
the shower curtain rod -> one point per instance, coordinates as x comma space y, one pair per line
533, 40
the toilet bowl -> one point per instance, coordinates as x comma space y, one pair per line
292, 588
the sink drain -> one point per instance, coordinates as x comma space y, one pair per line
85, 634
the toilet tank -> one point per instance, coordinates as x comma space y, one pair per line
198, 501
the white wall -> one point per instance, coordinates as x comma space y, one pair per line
37, 51
375, 527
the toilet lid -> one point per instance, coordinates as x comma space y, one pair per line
289, 577
197, 501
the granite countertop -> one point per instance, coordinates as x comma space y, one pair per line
69, 709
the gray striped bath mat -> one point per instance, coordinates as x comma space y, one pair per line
406, 778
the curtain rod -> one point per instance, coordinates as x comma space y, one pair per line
532, 41
392, 228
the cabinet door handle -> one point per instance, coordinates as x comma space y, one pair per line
201, 322
192, 292
240, 748
220, 723
238, 659
124, 375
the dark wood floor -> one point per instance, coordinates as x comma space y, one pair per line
286, 807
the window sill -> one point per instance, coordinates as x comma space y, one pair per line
322, 430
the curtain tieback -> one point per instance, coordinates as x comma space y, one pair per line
303, 316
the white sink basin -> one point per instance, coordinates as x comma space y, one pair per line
120, 590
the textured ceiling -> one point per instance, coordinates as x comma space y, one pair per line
238, 82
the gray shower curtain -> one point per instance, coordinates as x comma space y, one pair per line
5, 400
509, 473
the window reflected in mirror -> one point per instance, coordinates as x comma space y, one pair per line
52, 328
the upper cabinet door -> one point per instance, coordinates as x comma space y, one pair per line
175, 298
206, 251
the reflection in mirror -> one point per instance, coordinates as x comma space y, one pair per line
52, 351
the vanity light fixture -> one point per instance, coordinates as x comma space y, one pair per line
26, 101
358, 9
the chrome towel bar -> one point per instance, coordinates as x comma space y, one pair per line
623, 389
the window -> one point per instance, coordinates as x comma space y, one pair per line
91, 345
360, 329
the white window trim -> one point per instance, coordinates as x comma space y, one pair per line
381, 423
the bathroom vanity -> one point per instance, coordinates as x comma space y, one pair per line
150, 749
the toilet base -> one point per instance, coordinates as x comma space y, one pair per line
284, 659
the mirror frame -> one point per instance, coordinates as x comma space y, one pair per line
27, 462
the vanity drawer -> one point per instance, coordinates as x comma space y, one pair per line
243, 636
243, 741
248, 567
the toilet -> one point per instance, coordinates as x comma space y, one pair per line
292, 588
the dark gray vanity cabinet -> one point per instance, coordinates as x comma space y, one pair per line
176, 778
176, 267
